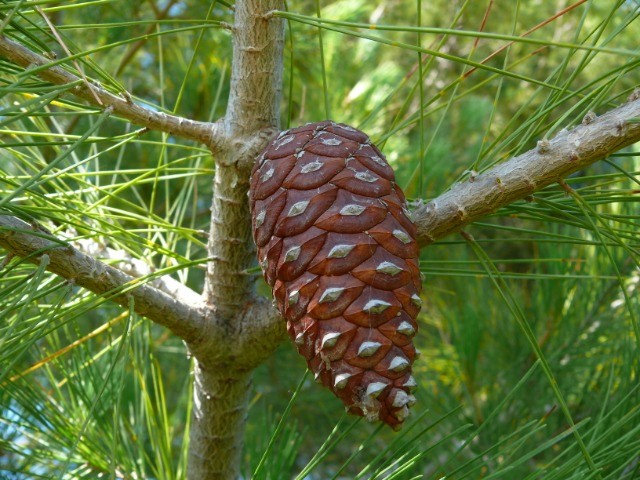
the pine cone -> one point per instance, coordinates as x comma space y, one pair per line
337, 247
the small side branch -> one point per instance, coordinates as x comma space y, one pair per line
186, 320
210, 134
521, 176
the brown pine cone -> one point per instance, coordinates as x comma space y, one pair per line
337, 247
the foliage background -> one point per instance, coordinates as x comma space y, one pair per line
529, 333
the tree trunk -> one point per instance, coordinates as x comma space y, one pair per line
223, 369
218, 419
231, 249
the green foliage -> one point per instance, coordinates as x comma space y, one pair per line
531, 328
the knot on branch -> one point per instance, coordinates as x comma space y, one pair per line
257, 330
242, 151
635, 95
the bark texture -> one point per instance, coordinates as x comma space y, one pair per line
220, 401
136, 268
252, 118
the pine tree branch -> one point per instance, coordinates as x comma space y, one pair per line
137, 268
517, 178
210, 134
183, 316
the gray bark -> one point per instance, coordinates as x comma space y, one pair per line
235, 330
219, 402
136, 268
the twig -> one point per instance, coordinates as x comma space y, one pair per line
519, 177
210, 134
138, 268
185, 319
